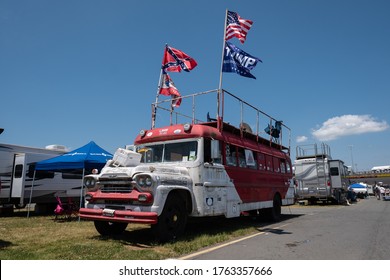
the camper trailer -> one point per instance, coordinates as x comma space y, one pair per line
18, 185
318, 176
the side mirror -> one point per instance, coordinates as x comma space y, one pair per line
215, 149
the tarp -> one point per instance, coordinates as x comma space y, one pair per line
86, 157
358, 186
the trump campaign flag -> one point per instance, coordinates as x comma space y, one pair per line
236, 60
175, 60
237, 26
168, 89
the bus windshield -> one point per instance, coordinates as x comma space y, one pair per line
169, 152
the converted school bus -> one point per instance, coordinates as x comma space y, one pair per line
196, 168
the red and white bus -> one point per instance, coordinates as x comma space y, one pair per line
193, 169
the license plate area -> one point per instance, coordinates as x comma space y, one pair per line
108, 212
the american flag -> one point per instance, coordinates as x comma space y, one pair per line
237, 26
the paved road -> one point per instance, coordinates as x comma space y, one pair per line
357, 232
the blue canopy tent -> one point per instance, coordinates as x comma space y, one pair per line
87, 157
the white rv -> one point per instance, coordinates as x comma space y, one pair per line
381, 169
17, 165
318, 176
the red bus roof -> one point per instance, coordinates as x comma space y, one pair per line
229, 134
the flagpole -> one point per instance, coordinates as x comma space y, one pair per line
223, 51
154, 113
219, 94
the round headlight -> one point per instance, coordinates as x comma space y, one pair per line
141, 181
89, 182
144, 181
148, 181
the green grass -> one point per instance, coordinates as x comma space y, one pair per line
44, 238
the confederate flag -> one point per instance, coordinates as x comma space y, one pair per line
175, 60
168, 88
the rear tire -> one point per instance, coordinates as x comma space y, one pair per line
109, 228
172, 221
274, 214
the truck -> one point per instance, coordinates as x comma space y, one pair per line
318, 177
19, 186
193, 168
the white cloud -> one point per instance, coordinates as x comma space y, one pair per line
301, 139
348, 125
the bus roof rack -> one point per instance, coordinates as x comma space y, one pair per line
228, 107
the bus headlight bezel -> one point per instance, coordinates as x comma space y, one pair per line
90, 183
144, 182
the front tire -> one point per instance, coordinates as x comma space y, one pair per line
109, 228
172, 221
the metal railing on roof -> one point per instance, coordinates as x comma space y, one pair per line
193, 110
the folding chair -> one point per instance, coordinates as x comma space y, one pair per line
66, 210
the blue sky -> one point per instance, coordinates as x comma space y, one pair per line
74, 71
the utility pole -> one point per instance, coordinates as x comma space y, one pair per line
350, 147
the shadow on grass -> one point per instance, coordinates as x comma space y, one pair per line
5, 244
197, 227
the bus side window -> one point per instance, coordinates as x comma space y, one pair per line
241, 157
276, 164
230, 154
251, 159
283, 166
261, 161
268, 162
